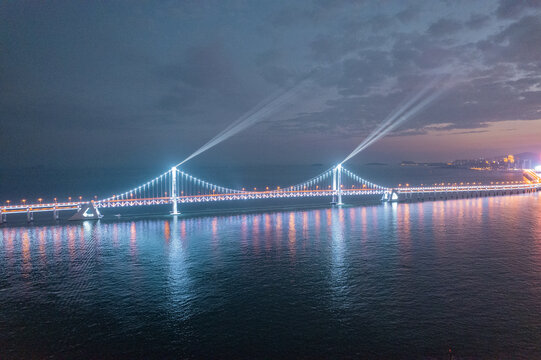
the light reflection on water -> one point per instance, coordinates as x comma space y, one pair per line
292, 234
394, 279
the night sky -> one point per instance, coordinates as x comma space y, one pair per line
131, 83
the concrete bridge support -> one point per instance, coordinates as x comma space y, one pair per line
87, 212
392, 196
29, 215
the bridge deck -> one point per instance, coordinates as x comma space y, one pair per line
252, 195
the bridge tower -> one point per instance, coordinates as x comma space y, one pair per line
174, 190
337, 185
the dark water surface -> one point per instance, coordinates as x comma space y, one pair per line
400, 281
384, 281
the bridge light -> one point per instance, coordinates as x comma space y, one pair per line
40, 200
69, 198
8, 201
80, 198
24, 201
267, 188
255, 189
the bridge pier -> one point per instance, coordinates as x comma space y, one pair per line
55, 213
392, 196
87, 212
29, 215
3, 217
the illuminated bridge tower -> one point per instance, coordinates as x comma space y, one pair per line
174, 190
337, 185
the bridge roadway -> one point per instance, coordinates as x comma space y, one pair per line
334, 191
402, 194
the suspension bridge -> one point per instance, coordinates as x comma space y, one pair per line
175, 187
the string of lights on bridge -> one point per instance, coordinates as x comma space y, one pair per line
160, 186
175, 186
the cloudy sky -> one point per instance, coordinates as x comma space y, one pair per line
102, 83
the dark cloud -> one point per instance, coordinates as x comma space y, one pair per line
327, 48
203, 67
206, 85
473, 103
379, 23
277, 75
316, 11
518, 43
466, 132
175, 74
514, 8
444, 27
408, 14
477, 21
422, 52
